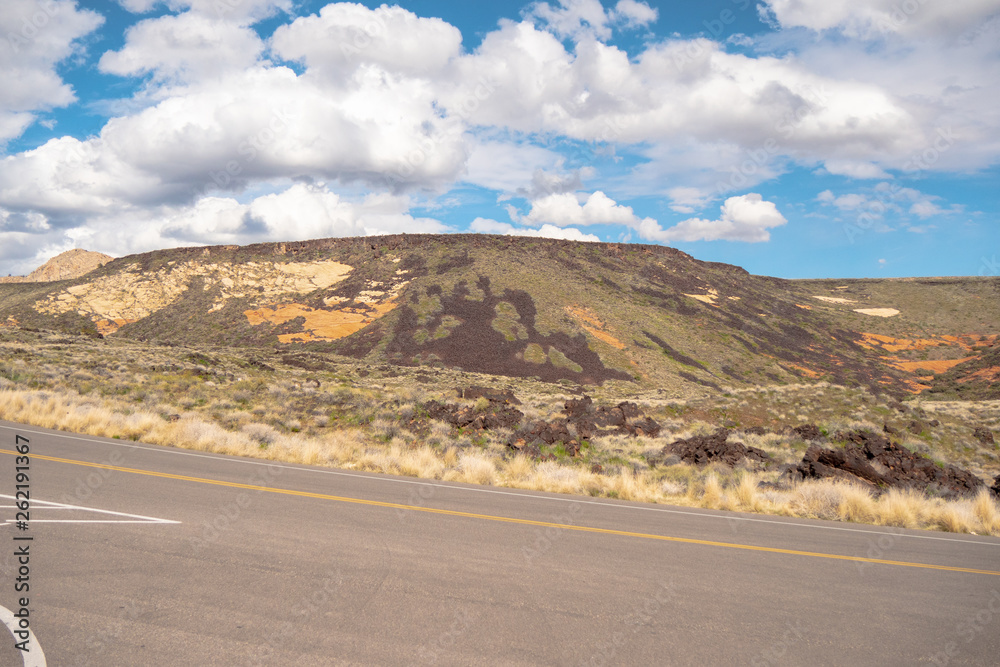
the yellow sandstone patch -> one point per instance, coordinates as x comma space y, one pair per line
129, 296
834, 299
706, 298
878, 312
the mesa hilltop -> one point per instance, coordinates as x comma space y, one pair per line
582, 314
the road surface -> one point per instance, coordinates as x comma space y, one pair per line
145, 555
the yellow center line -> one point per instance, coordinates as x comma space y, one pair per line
504, 519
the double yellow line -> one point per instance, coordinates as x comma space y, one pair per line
504, 519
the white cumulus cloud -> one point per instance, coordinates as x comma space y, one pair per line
589, 18
852, 169
868, 18
744, 218
243, 12
343, 35
635, 14
299, 212
565, 209
35, 37
184, 48
488, 226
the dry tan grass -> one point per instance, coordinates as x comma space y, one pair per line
710, 493
856, 504
518, 469
671, 488
746, 493
420, 462
900, 507
987, 511
627, 486
819, 499
474, 468
955, 517
357, 448
552, 477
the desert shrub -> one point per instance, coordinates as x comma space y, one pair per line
261, 433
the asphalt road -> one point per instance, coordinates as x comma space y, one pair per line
198, 559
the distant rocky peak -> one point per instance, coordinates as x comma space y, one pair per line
64, 266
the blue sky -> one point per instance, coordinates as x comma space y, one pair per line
794, 138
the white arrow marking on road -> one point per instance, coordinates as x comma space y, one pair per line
33, 657
38, 505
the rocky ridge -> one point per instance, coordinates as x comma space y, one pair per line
64, 266
557, 311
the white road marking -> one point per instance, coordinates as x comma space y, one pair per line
34, 656
580, 499
49, 505
10, 523
70, 507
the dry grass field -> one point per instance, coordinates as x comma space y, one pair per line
351, 415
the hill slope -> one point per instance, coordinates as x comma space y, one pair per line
64, 266
583, 313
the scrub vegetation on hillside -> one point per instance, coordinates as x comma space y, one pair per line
421, 422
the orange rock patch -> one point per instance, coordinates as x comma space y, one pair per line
320, 325
991, 375
971, 342
588, 319
916, 387
106, 327
935, 366
808, 372
606, 337
950, 345
967, 342
890, 344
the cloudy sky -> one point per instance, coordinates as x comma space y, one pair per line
796, 138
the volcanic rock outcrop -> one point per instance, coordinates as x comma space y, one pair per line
624, 419
878, 463
983, 435
496, 415
583, 421
704, 449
